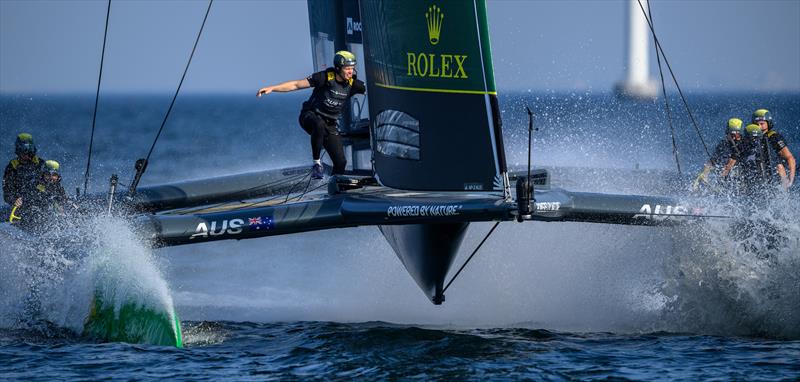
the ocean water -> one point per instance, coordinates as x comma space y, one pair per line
540, 300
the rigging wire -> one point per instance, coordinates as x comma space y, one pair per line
666, 100
674, 79
96, 101
278, 183
294, 179
175, 96
307, 184
470, 256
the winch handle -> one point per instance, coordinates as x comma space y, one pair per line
13, 217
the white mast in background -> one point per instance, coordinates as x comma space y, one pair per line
637, 83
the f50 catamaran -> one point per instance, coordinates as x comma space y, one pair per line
426, 160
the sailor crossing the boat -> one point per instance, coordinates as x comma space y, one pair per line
22, 171
782, 160
722, 159
321, 112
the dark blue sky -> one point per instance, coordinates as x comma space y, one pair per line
54, 46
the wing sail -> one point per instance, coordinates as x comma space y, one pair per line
433, 101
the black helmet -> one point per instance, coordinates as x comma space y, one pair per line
24, 145
762, 115
343, 58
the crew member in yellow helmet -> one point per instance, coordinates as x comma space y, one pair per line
44, 200
320, 114
723, 153
22, 171
774, 148
753, 166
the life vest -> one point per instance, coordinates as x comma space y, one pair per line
51, 199
15, 162
330, 99
773, 142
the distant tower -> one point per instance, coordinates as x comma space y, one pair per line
637, 83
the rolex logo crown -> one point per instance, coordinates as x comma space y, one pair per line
434, 16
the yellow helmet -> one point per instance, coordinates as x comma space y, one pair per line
24, 145
344, 58
762, 115
753, 130
51, 167
735, 126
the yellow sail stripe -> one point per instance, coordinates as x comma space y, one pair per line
435, 90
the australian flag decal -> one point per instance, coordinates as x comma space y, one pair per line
261, 222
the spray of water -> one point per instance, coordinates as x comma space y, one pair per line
53, 279
738, 276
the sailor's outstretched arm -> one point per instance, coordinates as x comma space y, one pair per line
287, 86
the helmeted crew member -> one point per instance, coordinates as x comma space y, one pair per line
755, 169
723, 153
320, 114
22, 171
44, 200
783, 160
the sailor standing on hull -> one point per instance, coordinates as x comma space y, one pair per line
320, 114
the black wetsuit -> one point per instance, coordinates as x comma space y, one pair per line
726, 149
43, 206
774, 140
756, 175
20, 176
320, 114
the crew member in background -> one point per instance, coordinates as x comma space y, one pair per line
726, 149
21, 172
41, 204
783, 160
755, 172
320, 114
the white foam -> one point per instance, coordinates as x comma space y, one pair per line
98, 255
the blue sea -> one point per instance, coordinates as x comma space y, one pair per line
540, 301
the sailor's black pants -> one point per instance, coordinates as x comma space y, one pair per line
324, 134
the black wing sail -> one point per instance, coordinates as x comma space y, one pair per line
433, 102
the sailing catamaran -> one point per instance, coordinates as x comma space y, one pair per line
425, 146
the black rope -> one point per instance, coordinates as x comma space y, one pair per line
96, 101
174, 97
674, 79
307, 184
277, 183
666, 100
470, 256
